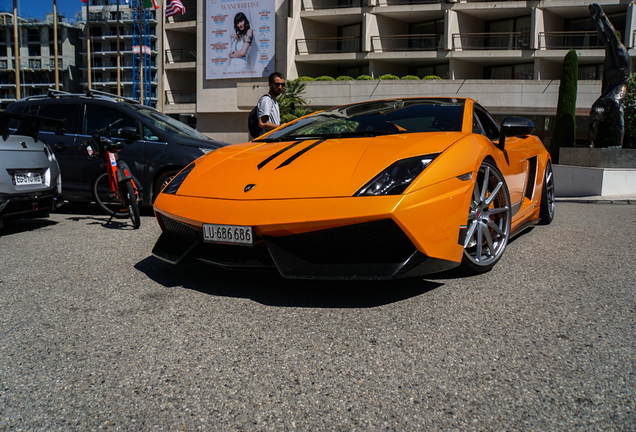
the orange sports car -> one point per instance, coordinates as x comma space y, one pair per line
373, 190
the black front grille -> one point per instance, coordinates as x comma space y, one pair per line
176, 241
373, 242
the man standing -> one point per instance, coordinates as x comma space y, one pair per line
268, 109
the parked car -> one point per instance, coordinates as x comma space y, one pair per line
30, 181
160, 148
373, 190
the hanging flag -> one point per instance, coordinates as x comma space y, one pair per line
155, 4
174, 7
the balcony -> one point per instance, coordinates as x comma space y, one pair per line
491, 41
180, 56
421, 42
328, 45
567, 40
181, 96
331, 4
409, 2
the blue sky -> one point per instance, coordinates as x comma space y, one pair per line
39, 8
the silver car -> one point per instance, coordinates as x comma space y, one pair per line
30, 180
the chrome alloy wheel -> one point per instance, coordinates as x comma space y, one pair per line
488, 227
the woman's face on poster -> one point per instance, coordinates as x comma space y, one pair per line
241, 24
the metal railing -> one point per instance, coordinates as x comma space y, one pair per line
415, 42
329, 45
567, 40
331, 4
408, 2
180, 56
181, 96
491, 41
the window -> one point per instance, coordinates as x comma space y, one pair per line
521, 71
489, 125
350, 35
98, 118
513, 33
591, 72
426, 35
58, 111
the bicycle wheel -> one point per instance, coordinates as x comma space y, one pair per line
130, 198
107, 200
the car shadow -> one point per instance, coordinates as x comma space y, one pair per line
269, 288
16, 226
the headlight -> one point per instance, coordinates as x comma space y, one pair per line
206, 150
397, 177
175, 183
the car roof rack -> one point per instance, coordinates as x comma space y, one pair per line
90, 93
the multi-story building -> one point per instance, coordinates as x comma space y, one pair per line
103, 35
506, 54
37, 61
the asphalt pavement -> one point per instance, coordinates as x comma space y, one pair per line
96, 334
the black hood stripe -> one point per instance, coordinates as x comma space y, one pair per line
278, 153
300, 153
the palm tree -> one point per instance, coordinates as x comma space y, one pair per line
291, 102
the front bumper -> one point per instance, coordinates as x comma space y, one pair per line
330, 238
373, 250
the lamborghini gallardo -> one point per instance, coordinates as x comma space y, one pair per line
373, 190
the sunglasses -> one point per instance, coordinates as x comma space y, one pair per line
279, 84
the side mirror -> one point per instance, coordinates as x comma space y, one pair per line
514, 126
128, 133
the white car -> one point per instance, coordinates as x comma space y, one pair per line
30, 180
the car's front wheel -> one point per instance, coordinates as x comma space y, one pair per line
488, 228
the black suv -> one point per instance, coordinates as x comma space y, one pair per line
157, 146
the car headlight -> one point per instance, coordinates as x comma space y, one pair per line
176, 181
206, 150
397, 177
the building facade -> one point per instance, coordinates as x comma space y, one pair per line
506, 54
36, 55
104, 25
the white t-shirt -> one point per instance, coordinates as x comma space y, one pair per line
267, 106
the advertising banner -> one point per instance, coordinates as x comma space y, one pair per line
240, 38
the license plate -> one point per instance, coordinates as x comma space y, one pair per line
228, 234
27, 179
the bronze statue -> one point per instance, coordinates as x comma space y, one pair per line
617, 72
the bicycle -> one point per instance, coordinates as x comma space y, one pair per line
115, 190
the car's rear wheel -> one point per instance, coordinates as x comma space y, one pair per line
488, 228
546, 212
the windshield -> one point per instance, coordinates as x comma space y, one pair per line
167, 124
395, 116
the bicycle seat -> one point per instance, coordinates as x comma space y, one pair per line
113, 146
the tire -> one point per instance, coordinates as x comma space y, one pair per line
106, 200
488, 229
162, 182
130, 199
546, 212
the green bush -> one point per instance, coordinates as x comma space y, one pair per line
431, 77
305, 78
564, 133
389, 77
364, 78
344, 78
410, 77
324, 78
